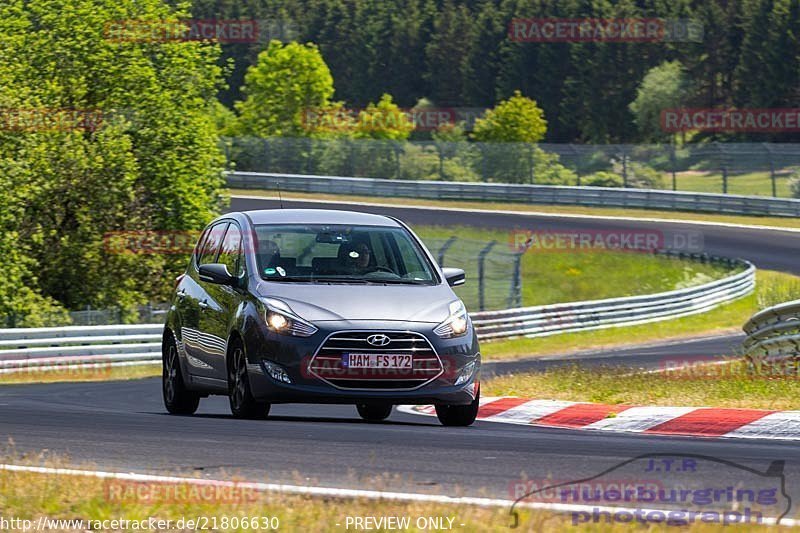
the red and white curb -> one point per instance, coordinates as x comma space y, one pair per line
654, 420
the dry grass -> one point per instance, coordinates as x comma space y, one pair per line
731, 385
29, 496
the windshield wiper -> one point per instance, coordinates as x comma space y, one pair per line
399, 281
358, 281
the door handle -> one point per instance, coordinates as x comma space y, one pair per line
203, 304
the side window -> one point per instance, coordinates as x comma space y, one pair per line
212, 244
231, 253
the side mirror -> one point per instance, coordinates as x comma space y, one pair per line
454, 276
217, 273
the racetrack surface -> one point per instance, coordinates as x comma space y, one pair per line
123, 426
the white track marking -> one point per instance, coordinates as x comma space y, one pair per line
783, 425
537, 214
528, 412
348, 493
638, 419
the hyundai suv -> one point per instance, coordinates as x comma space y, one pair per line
319, 306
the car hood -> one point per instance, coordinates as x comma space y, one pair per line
322, 302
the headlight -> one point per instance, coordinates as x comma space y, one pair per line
456, 323
280, 319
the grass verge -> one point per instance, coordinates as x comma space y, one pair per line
76, 373
29, 496
729, 385
777, 222
728, 318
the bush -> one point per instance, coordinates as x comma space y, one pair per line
602, 179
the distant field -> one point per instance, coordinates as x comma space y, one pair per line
751, 183
561, 276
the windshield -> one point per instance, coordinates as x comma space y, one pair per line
341, 254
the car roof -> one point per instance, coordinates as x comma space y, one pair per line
318, 216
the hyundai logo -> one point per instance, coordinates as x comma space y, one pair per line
378, 340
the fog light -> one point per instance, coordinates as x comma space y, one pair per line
276, 372
466, 373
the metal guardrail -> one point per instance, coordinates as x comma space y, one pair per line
774, 333
532, 194
543, 320
92, 346
71, 346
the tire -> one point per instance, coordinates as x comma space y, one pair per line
240, 397
177, 399
458, 415
374, 412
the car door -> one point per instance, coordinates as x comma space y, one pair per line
203, 347
222, 300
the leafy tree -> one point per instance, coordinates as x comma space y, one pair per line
663, 87
147, 160
517, 119
287, 82
384, 120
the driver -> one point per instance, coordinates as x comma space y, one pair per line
356, 257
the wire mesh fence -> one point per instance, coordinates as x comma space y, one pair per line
730, 168
494, 276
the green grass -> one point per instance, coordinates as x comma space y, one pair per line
731, 385
562, 276
777, 222
750, 183
723, 319
76, 374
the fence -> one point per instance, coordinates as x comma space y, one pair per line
774, 333
493, 270
735, 168
532, 194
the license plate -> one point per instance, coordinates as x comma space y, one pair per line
377, 360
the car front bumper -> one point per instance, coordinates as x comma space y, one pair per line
297, 358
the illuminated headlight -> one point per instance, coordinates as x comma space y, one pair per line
280, 319
466, 373
456, 323
276, 372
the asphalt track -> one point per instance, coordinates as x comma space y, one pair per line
123, 426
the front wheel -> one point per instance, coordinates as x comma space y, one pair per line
177, 399
240, 397
374, 412
458, 415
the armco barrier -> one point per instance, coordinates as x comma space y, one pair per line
51, 348
25, 348
774, 333
532, 194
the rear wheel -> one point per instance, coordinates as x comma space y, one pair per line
240, 397
374, 412
458, 415
177, 399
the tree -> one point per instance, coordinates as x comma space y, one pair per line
517, 119
663, 87
384, 120
130, 146
288, 82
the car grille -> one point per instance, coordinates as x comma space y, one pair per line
327, 362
